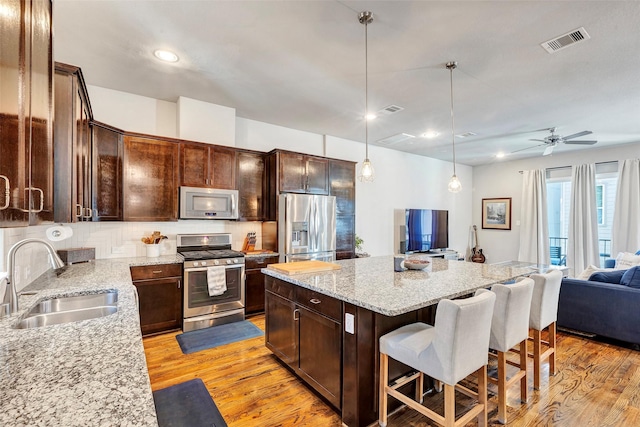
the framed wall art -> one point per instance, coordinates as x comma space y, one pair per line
496, 213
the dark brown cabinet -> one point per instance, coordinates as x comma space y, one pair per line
26, 114
254, 281
72, 138
150, 179
300, 173
343, 187
304, 330
160, 297
250, 179
107, 172
205, 165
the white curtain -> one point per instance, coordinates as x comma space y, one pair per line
582, 245
534, 226
625, 232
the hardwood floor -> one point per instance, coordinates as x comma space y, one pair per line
598, 384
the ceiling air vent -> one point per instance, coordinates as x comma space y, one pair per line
394, 139
566, 40
390, 109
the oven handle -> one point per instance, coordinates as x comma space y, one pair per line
188, 270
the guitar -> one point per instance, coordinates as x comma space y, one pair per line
477, 256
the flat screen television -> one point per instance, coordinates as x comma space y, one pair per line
426, 230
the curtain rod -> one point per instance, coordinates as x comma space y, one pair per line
564, 167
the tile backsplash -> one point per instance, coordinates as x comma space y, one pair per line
111, 240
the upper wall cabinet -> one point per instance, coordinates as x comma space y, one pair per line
106, 190
342, 182
206, 165
250, 179
26, 113
150, 179
72, 138
299, 173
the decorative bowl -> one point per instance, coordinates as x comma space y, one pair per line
416, 264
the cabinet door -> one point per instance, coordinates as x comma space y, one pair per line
194, 165
84, 165
107, 174
250, 180
222, 170
254, 291
281, 328
292, 170
160, 304
345, 236
150, 180
320, 354
342, 185
317, 171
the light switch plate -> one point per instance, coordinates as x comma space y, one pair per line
349, 323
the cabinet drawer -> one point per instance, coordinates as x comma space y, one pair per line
279, 287
144, 272
259, 261
320, 303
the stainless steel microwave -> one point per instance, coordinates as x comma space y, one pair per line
208, 203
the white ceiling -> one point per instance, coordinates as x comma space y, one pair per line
300, 64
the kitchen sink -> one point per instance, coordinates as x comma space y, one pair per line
69, 309
78, 302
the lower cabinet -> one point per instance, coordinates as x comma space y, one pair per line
254, 282
160, 297
304, 330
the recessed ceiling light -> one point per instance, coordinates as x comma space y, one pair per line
430, 134
165, 55
500, 155
370, 116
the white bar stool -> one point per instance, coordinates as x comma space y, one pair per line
544, 313
510, 327
455, 347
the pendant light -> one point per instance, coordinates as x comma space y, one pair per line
454, 183
366, 170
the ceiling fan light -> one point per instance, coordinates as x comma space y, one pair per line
367, 173
454, 184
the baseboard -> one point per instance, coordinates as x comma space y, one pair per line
575, 332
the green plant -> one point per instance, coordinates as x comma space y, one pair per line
359, 243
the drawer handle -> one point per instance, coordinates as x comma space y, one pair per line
315, 301
296, 311
157, 271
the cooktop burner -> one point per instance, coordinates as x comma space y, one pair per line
211, 254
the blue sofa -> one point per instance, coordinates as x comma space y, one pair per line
606, 309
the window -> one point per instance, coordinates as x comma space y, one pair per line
600, 204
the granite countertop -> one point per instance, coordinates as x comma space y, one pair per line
371, 282
261, 254
88, 373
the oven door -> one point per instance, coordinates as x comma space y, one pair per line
197, 300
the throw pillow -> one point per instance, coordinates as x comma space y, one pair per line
626, 260
588, 272
631, 277
614, 276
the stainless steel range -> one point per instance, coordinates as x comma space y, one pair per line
213, 280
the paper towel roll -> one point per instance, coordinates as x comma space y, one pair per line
59, 232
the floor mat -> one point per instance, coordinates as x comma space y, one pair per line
187, 405
202, 339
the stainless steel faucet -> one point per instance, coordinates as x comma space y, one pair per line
10, 293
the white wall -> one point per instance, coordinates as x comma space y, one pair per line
502, 179
206, 122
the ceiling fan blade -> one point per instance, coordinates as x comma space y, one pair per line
539, 140
576, 135
548, 150
528, 148
585, 142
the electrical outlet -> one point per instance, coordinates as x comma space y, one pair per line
349, 323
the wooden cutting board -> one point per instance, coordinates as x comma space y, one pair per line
303, 267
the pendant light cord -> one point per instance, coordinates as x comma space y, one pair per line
366, 89
451, 66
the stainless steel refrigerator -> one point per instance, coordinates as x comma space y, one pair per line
306, 227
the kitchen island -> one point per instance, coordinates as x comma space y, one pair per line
87, 373
325, 326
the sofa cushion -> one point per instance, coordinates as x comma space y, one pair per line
631, 277
613, 276
626, 260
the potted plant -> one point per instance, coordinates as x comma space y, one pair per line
360, 253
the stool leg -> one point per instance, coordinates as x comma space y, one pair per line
523, 366
552, 344
450, 405
384, 381
482, 395
420, 388
536, 358
502, 387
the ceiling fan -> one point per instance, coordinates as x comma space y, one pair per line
554, 139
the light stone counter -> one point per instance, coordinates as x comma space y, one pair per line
371, 282
88, 373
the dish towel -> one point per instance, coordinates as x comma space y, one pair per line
216, 280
